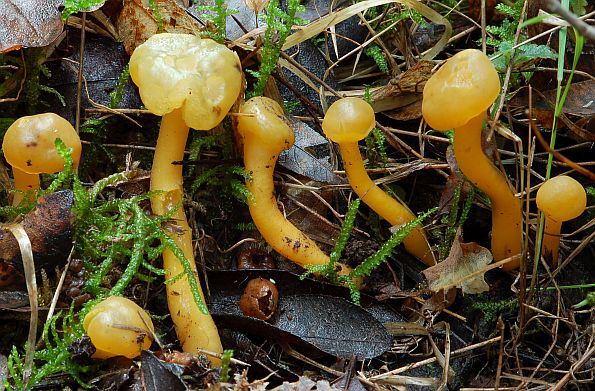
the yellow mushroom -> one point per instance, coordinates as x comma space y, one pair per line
266, 133
191, 82
561, 198
117, 326
29, 148
458, 96
346, 122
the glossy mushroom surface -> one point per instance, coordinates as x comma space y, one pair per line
561, 198
29, 147
191, 82
266, 133
346, 122
458, 96
117, 326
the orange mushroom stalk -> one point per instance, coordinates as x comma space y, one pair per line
117, 326
191, 82
561, 198
29, 147
346, 122
266, 133
458, 96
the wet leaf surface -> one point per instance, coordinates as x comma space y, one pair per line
49, 227
309, 155
29, 23
156, 376
307, 316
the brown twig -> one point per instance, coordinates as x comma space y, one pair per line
556, 154
585, 29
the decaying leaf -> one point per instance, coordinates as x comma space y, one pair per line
49, 227
30, 23
138, 21
309, 155
256, 5
464, 259
403, 91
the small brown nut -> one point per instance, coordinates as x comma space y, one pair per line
260, 299
255, 258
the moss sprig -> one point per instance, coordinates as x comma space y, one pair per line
279, 25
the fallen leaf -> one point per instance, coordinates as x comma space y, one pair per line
309, 315
155, 374
137, 21
464, 259
49, 227
403, 91
256, 5
31, 23
309, 155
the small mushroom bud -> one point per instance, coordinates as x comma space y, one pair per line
260, 299
117, 326
560, 199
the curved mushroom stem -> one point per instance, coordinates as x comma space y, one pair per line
194, 329
27, 184
384, 205
280, 234
506, 208
550, 244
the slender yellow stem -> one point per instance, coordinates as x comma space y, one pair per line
26, 183
551, 239
194, 329
506, 208
280, 234
387, 207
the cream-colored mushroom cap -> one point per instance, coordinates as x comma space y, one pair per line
29, 143
464, 87
348, 120
117, 326
263, 119
561, 198
200, 76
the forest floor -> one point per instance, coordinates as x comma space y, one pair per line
470, 322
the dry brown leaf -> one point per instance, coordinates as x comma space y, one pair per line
256, 5
32, 23
137, 21
404, 92
455, 271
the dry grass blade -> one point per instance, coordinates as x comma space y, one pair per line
29, 269
313, 29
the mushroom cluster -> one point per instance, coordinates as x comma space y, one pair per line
192, 83
458, 96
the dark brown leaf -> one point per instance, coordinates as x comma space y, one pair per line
49, 228
156, 376
313, 321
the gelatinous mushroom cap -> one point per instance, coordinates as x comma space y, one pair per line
117, 326
464, 87
561, 198
29, 143
200, 76
348, 120
263, 119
